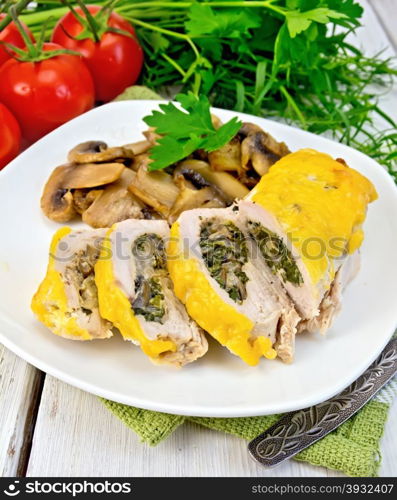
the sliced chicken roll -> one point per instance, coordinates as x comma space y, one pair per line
67, 299
306, 216
136, 293
331, 303
229, 292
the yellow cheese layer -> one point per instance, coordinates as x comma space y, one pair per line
320, 204
50, 303
115, 306
229, 327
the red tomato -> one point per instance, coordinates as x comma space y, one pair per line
43, 95
115, 62
10, 136
10, 34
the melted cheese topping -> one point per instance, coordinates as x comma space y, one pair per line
229, 327
50, 303
320, 204
115, 306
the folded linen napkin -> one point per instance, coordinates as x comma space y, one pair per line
352, 449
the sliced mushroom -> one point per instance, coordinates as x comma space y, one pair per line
189, 170
156, 189
254, 154
56, 201
216, 121
213, 203
259, 149
90, 175
151, 135
98, 152
114, 204
84, 198
189, 197
228, 157
230, 187
140, 161
150, 214
138, 148
277, 148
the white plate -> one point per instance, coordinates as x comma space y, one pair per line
220, 384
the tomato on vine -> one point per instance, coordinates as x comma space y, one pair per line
10, 136
108, 44
44, 86
10, 34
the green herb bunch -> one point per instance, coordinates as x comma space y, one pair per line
289, 59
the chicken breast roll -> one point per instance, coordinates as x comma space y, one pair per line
306, 217
136, 293
228, 291
67, 299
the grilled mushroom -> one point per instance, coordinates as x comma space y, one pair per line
151, 135
194, 170
57, 198
114, 204
228, 157
90, 175
156, 189
84, 198
259, 149
190, 197
138, 148
56, 201
216, 121
98, 152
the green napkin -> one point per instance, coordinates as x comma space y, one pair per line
352, 449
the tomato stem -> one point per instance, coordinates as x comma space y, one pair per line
18, 8
90, 20
94, 25
41, 39
33, 52
107, 7
119, 31
84, 21
14, 16
5, 6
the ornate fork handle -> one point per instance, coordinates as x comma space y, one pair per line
297, 430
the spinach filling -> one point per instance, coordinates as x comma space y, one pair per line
150, 260
276, 254
149, 299
224, 250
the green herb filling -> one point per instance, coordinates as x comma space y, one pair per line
150, 260
225, 252
149, 299
276, 254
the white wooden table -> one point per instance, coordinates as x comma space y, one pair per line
48, 428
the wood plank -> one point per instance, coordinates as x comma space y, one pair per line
20, 389
76, 435
386, 10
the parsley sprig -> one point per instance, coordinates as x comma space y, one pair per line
187, 129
